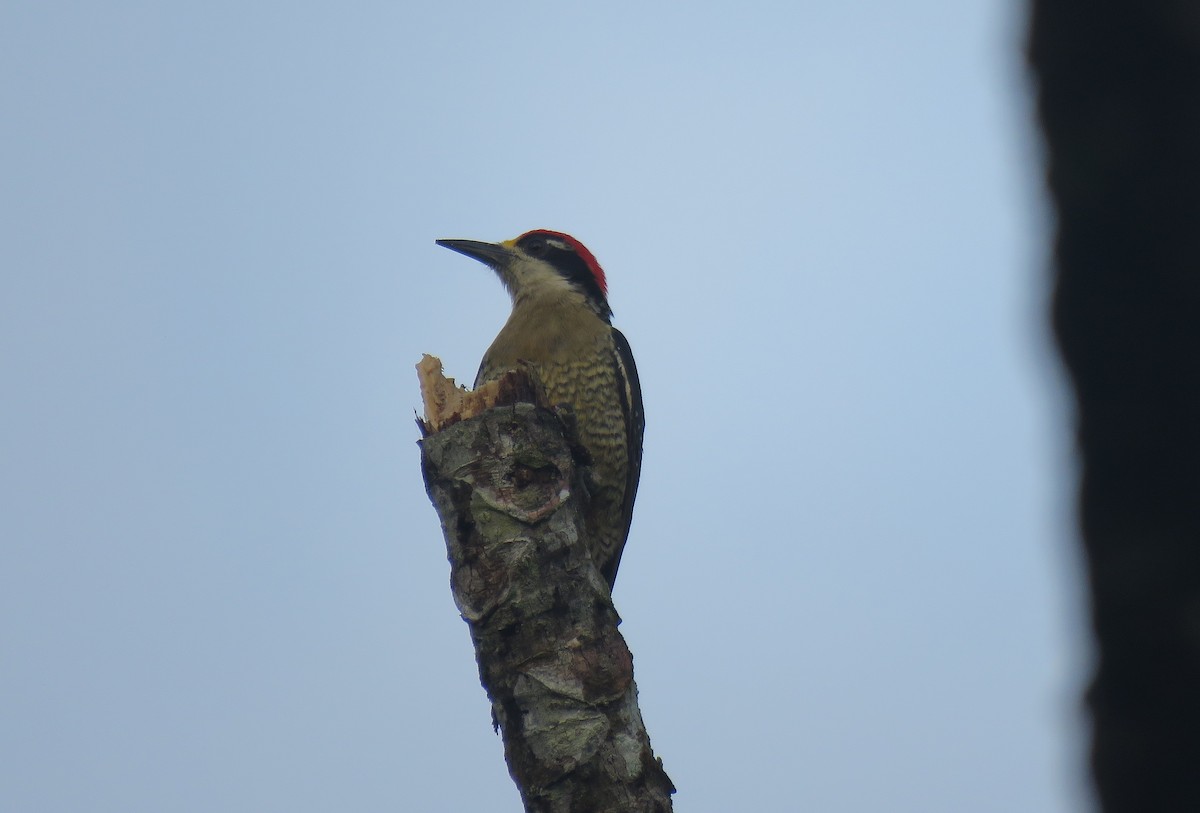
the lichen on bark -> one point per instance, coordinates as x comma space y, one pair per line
507, 486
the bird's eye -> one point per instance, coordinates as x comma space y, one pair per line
536, 248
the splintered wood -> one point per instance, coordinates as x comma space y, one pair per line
446, 403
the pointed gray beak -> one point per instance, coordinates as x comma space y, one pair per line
493, 254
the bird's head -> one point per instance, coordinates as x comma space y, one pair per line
542, 263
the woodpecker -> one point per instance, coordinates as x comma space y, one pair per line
561, 325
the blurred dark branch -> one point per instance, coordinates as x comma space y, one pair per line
1119, 101
560, 678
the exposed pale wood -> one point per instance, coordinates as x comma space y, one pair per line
446, 403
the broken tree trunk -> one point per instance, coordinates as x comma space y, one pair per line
505, 482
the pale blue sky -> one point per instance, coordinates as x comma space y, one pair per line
851, 583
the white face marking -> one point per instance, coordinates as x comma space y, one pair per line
534, 280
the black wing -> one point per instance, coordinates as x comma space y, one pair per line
635, 425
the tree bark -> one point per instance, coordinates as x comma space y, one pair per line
1119, 101
507, 486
